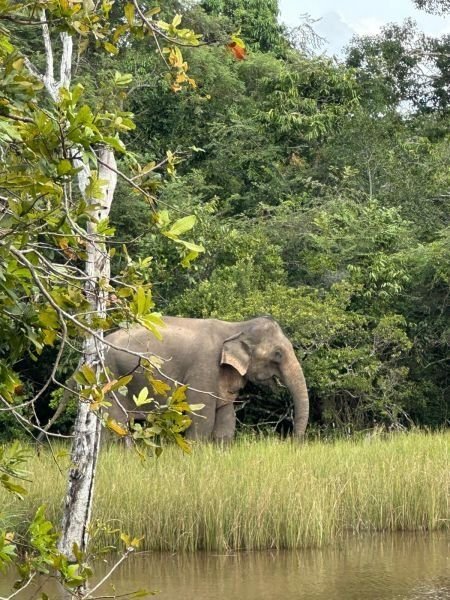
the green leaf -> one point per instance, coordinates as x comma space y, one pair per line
191, 246
49, 317
124, 292
122, 79
116, 384
12, 487
49, 337
64, 167
176, 21
110, 48
141, 301
183, 443
180, 393
159, 387
115, 143
129, 13
88, 373
10, 130
153, 11
182, 225
153, 322
142, 397
163, 218
186, 262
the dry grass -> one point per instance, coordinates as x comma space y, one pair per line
262, 494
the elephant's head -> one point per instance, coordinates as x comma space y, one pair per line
259, 352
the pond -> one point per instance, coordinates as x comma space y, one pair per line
400, 567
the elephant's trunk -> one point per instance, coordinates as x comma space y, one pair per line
293, 378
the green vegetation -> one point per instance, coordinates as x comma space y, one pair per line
262, 493
310, 189
321, 192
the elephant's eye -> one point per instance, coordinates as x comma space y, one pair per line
277, 356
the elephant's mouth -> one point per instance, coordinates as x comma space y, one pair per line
271, 380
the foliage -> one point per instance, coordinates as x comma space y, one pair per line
433, 6
345, 201
402, 65
34, 551
307, 189
341, 173
256, 21
57, 180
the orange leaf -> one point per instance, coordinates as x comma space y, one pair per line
238, 51
114, 426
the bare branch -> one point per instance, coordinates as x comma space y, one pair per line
128, 180
29, 580
27, 422
33, 69
49, 78
110, 572
156, 31
66, 60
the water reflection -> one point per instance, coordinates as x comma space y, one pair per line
401, 567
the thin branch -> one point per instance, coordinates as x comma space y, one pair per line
155, 168
30, 579
156, 31
110, 572
139, 86
33, 69
52, 377
33, 425
151, 198
62, 313
128, 180
13, 19
17, 118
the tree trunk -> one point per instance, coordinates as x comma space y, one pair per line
86, 443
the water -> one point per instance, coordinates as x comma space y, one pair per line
400, 567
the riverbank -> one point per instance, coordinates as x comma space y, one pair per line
260, 494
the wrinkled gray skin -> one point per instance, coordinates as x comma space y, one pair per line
212, 356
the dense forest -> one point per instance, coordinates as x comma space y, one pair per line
199, 159
321, 189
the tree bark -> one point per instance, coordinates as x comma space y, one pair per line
86, 443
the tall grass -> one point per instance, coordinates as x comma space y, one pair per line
261, 494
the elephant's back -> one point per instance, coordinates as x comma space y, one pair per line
134, 339
181, 337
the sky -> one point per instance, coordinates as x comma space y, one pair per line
341, 19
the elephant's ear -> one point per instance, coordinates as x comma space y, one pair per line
236, 353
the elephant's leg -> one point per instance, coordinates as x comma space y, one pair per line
202, 425
225, 424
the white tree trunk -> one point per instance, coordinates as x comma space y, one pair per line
86, 443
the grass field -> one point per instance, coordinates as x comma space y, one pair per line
259, 493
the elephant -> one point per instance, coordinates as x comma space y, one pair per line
215, 359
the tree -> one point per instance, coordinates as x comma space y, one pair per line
433, 6
58, 180
256, 20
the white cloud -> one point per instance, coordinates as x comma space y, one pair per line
333, 28
367, 25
